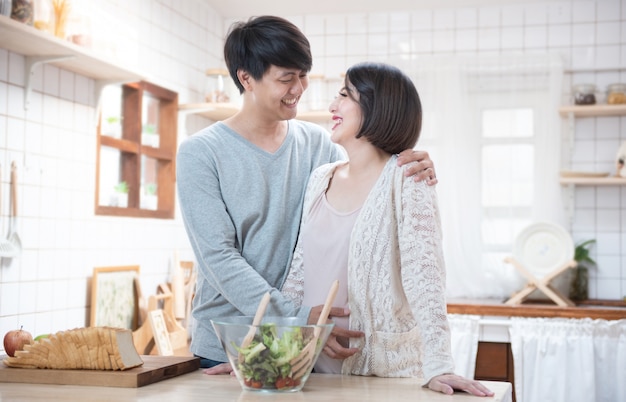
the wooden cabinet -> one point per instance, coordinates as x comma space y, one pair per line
494, 362
145, 154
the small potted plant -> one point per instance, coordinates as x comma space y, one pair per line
579, 286
149, 200
119, 198
112, 127
149, 135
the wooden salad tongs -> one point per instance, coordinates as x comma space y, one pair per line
301, 363
260, 311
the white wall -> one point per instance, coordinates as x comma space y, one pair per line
589, 35
173, 42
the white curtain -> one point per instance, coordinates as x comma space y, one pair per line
449, 88
573, 360
464, 332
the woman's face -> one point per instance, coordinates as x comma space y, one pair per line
347, 115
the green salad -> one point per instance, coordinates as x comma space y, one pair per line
266, 361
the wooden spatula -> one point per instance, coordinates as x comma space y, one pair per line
255, 322
300, 363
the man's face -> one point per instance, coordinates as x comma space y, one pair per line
279, 91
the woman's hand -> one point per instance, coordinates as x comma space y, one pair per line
424, 169
447, 383
336, 346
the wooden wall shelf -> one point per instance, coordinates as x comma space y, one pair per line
592, 110
41, 47
221, 111
594, 181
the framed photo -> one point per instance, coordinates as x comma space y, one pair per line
114, 297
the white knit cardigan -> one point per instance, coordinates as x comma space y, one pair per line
396, 278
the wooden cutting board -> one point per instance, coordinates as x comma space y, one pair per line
154, 369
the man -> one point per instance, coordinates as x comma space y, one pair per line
241, 185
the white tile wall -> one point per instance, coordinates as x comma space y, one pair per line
587, 34
53, 143
173, 42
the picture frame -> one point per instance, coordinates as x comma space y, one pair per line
114, 297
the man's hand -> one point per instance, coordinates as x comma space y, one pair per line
224, 368
336, 346
424, 169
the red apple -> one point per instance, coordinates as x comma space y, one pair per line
15, 340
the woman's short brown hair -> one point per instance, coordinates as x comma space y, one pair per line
390, 104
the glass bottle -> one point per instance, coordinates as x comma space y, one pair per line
616, 94
23, 11
584, 94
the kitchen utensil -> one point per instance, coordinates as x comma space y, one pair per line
300, 363
13, 237
620, 161
255, 322
7, 249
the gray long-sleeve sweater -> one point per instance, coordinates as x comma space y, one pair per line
241, 207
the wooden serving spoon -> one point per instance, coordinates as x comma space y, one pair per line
260, 311
302, 362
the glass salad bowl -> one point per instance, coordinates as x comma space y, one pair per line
274, 356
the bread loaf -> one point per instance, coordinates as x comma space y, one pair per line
92, 348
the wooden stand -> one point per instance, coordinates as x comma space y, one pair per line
143, 337
543, 284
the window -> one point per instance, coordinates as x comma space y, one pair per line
136, 151
507, 178
512, 196
491, 126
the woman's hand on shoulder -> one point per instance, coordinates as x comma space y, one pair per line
447, 383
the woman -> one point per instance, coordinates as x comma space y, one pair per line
379, 233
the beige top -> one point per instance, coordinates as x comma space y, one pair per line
325, 242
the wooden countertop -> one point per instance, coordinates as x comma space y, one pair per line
196, 386
594, 309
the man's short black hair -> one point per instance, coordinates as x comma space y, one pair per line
261, 42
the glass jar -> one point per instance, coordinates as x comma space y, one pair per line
616, 94
215, 92
315, 92
584, 94
23, 11
43, 16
